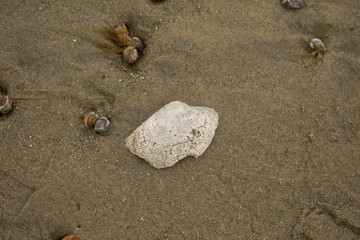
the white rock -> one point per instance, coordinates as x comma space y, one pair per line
173, 133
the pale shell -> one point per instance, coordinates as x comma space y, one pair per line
316, 43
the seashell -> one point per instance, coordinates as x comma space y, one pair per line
90, 119
316, 44
102, 125
130, 55
5, 104
139, 43
291, 5
71, 237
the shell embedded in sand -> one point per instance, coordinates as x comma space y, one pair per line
71, 237
130, 55
90, 119
316, 44
102, 125
5, 104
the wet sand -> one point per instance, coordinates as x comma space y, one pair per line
284, 162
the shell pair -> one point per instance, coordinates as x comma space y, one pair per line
131, 53
118, 41
91, 119
5, 104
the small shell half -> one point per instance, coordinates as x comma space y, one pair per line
139, 43
102, 125
316, 44
293, 4
90, 119
130, 55
5, 104
71, 237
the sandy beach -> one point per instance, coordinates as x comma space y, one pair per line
285, 159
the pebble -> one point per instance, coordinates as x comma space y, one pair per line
174, 132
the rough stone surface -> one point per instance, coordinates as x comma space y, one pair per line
174, 132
